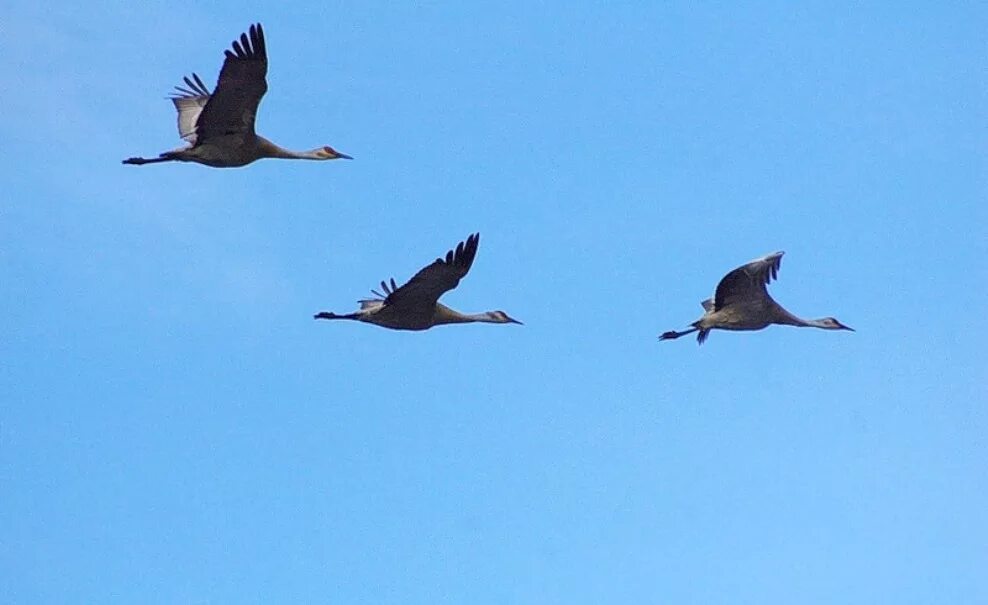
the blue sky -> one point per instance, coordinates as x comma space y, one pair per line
175, 428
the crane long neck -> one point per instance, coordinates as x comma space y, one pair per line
466, 318
785, 317
445, 315
270, 150
482, 317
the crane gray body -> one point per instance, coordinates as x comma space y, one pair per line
219, 126
742, 303
415, 305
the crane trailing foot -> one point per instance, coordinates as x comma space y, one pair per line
140, 161
331, 315
672, 334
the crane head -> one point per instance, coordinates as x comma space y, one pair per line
831, 323
328, 153
502, 318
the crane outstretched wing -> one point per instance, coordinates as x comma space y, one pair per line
747, 282
232, 107
433, 281
189, 101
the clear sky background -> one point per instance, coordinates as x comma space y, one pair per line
176, 428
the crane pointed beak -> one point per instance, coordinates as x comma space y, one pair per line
343, 156
512, 320
843, 327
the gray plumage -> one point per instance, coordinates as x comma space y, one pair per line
742, 302
415, 305
219, 126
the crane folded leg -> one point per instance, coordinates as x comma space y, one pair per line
672, 334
